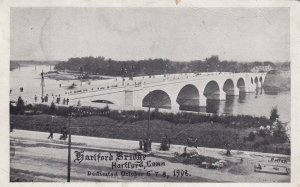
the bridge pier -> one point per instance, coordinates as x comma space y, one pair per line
247, 89
202, 102
222, 95
232, 92
175, 106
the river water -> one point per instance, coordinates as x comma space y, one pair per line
257, 104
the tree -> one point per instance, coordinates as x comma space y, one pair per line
274, 114
279, 134
20, 106
251, 136
52, 108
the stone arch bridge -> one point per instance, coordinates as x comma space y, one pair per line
171, 91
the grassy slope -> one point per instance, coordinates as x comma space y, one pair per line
216, 135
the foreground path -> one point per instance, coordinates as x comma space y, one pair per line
36, 158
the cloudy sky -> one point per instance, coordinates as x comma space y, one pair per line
183, 34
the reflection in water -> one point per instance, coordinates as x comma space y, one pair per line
258, 103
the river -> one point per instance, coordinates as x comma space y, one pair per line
256, 104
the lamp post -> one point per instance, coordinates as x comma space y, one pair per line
81, 75
42, 83
148, 125
69, 145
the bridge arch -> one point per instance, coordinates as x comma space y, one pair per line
251, 80
260, 79
228, 87
188, 96
256, 80
157, 99
241, 84
212, 91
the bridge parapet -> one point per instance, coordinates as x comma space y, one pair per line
132, 92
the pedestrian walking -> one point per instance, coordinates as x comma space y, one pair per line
46, 98
150, 143
51, 134
145, 146
141, 144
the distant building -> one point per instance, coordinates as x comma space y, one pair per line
257, 69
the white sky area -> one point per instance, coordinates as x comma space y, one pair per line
180, 34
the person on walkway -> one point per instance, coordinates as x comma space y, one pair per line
35, 98
64, 133
46, 98
150, 143
58, 98
145, 146
141, 144
51, 134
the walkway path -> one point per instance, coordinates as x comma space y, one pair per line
131, 146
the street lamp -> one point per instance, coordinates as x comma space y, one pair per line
81, 75
69, 144
42, 83
148, 125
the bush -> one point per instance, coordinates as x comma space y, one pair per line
52, 108
251, 136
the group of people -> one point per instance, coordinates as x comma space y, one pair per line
145, 144
55, 99
64, 132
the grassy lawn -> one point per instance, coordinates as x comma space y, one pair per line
215, 135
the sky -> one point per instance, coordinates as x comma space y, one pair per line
179, 34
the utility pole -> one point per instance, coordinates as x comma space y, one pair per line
42, 83
69, 145
148, 125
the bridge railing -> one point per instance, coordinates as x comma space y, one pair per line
144, 80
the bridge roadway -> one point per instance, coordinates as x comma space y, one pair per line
169, 91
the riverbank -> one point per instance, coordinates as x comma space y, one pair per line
277, 82
59, 75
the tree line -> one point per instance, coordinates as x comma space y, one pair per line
103, 66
